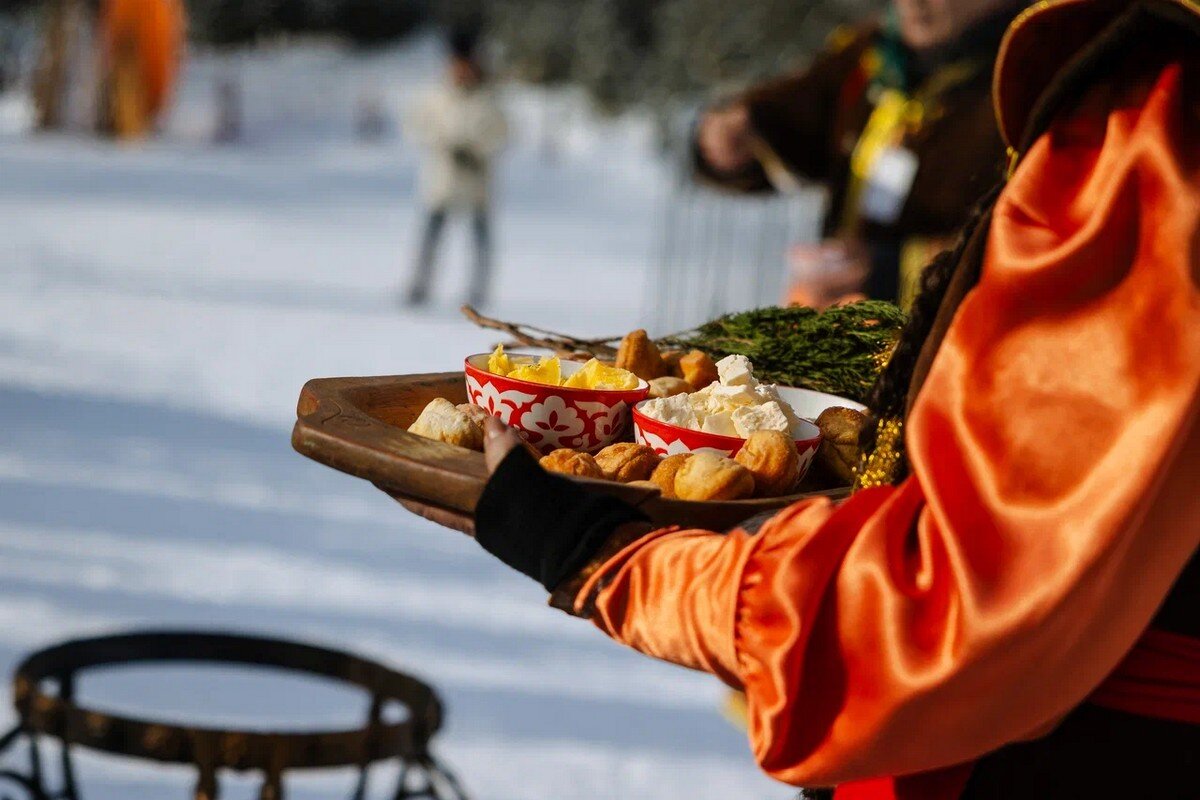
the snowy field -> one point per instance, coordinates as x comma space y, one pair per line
161, 307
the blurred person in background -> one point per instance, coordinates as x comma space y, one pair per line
895, 119
462, 128
108, 66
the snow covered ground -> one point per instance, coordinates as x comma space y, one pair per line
161, 307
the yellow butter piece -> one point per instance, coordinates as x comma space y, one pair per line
547, 371
597, 375
498, 362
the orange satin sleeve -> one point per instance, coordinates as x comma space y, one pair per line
1053, 500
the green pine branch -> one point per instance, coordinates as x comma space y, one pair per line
839, 350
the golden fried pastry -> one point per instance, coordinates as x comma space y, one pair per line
626, 462
671, 362
705, 476
772, 459
840, 429
442, 421
571, 462
667, 386
640, 356
664, 474
698, 369
476, 413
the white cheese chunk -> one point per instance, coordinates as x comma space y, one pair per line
675, 410
736, 370
795, 423
703, 403
766, 392
720, 424
735, 405
731, 397
767, 417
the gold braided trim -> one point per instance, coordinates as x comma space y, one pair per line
878, 467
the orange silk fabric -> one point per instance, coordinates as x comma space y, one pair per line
1055, 494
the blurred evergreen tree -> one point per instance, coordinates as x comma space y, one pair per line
662, 51
361, 21
621, 51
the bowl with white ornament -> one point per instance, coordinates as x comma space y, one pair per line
551, 404
719, 417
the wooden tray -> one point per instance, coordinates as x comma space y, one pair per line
358, 426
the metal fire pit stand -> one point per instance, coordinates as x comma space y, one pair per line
57, 715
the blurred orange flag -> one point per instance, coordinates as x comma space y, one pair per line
142, 46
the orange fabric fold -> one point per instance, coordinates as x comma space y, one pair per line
1052, 505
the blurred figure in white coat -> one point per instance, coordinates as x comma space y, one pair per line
462, 128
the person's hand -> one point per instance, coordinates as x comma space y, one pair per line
498, 441
724, 138
828, 273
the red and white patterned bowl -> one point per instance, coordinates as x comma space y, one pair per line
550, 417
668, 439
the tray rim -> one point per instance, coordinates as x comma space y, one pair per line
333, 430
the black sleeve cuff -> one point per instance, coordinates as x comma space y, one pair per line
544, 525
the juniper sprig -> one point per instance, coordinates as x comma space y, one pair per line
839, 350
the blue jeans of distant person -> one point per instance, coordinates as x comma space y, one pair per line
435, 221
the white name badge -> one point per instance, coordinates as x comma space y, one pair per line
888, 185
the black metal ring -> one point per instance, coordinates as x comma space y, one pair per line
61, 717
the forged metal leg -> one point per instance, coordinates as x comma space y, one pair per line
445, 778
66, 690
7, 740
272, 788
32, 790
436, 783
31, 784
206, 755
402, 782
374, 716
35, 763
206, 785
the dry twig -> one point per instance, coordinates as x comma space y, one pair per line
530, 336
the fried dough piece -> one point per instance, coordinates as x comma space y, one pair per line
640, 356
710, 477
443, 421
668, 386
664, 474
840, 429
698, 369
571, 462
772, 459
625, 462
476, 413
671, 362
